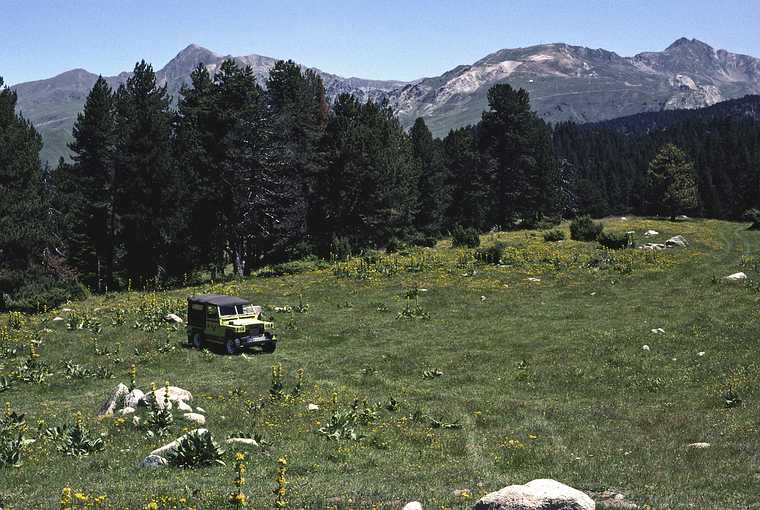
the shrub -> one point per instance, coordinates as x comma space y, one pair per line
551, 236
467, 237
584, 229
196, 449
614, 241
491, 254
428, 241
340, 248
393, 245
753, 216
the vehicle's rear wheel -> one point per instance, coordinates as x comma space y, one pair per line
232, 345
198, 341
269, 347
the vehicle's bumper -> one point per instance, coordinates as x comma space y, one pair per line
251, 341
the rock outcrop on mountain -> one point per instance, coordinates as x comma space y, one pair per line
565, 82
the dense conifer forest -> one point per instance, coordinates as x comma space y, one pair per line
240, 176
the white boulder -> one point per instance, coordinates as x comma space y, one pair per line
200, 410
164, 450
699, 446
114, 401
244, 441
173, 317
645, 347
536, 495
195, 418
185, 408
650, 233
126, 411
652, 246
134, 398
736, 277
312, 407
413, 505
56, 319
677, 242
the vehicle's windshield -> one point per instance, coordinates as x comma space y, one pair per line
246, 309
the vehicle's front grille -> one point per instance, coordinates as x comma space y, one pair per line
256, 329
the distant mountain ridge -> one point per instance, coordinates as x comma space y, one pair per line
565, 82
52, 104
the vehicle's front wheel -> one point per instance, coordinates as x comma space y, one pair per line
232, 346
268, 347
198, 341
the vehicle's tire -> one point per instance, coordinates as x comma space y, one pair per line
197, 341
232, 346
269, 347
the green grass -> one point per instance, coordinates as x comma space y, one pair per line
545, 379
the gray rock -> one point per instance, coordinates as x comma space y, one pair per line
195, 418
682, 217
536, 495
114, 401
677, 242
413, 505
126, 411
153, 461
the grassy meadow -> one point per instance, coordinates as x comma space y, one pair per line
487, 375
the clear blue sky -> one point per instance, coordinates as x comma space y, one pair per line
388, 39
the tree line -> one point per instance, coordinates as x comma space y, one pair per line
242, 175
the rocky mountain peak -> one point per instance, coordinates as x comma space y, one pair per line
691, 45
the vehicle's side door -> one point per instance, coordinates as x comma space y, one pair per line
213, 328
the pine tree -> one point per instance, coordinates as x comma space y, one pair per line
368, 191
470, 197
91, 220
672, 184
433, 188
298, 117
195, 148
516, 146
145, 181
27, 266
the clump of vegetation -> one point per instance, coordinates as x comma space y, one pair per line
340, 248
615, 241
583, 228
731, 398
428, 241
12, 426
76, 440
160, 417
753, 216
551, 236
492, 254
465, 237
196, 449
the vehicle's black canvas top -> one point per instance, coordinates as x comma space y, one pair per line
217, 299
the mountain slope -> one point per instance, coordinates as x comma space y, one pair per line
52, 104
565, 82
573, 83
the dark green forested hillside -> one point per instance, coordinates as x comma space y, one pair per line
242, 176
